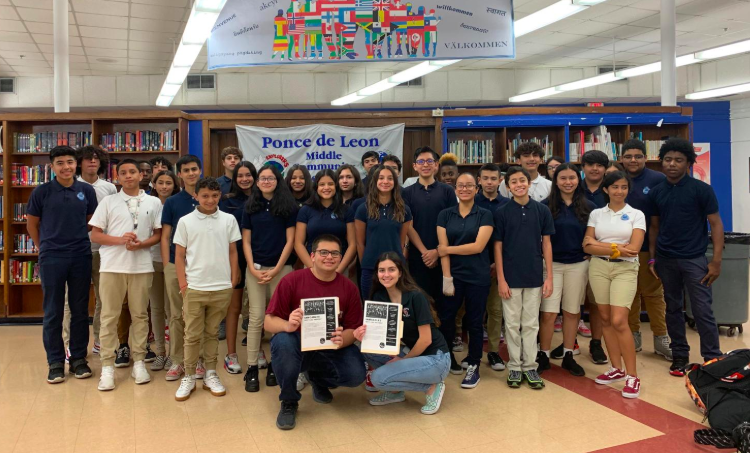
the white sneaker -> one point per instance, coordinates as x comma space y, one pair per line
187, 386
107, 379
262, 362
301, 382
139, 373
213, 383
200, 369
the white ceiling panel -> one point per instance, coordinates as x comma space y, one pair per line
100, 20
11, 36
100, 7
44, 28
105, 43
8, 12
157, 12
168, 26
139, 35
106, 33
114, 53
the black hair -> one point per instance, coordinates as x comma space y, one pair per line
59, 151
556, 159
426, 149
359, 190
90, 152
580, 207
529, 148
308, 180
144, 162
175, 189
504, 167
634, 143
234, 190
613, 178
208, 183
512, 171
392, 158
368, 155
595, 157
188, 159
126, 162
161, 160
679, 145
326, 238
489, 167
282, 203
338, 206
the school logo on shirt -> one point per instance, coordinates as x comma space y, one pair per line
646, 190
625, 217
333, 216
81, 196
405, 312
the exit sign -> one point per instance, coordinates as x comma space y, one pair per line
595, 104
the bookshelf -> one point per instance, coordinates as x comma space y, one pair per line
27, 139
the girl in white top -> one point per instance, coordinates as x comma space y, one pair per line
613, 238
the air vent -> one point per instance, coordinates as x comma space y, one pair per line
7, 85
201, 82
413, 83
606, 69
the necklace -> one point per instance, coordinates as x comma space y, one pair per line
134, 206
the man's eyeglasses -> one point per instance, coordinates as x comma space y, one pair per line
634, 157
264, 179
466, 186
324, 253
425, 161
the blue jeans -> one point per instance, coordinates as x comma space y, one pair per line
55, 273
329, 368
365, 283
677, 275
476, 303
416, 374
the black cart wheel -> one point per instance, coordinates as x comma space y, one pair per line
732, 331
740, 329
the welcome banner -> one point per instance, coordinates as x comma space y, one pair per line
258, 32
319, 146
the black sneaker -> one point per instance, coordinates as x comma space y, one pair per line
455, 367
543, 361
321, 395
80, 369
571, 365
244, 341
252, 383
287, 418
245, 324
559, 352
597, 352
56, 373
678, 366
496, 362
123, 356
150, 355
271, 377
223, 330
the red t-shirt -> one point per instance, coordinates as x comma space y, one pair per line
302, 284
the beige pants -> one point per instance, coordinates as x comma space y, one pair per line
568, 287
494, 317
521, 311
158, 296
615, 283
114, 289
176, 320
204, 311
257, 296
95, 264
651, 294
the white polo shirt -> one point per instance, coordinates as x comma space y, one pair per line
616, 227
114, 217
539, 190
207, 239
103, 189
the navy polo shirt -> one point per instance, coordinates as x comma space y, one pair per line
382, 234
350, 202
639, 199
268, 234
490, 205
597, 197
62, 212
226, 184
325, 222
426, 203
356, 204
520, 229
683, 211
234, 205
567, 242
176, 207
471, 269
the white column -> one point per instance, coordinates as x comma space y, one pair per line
668, 18
62, 57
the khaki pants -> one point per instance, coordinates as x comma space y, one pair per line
521, 312
650, 293
176, 320
158, 296
494, 317
613, 283
114, 289
257, 296
204, 311
95, 264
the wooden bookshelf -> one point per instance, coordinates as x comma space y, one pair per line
24, 299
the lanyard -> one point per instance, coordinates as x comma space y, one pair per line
134, 207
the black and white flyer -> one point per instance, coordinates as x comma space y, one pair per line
320, 318
384, 329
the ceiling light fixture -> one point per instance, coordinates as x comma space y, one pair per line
719, 92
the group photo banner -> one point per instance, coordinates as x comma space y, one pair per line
318, 146
261, 32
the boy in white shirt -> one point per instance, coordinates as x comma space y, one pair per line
126, 224
207, 272
529, 156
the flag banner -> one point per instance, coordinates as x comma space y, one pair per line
260, 32
319, 146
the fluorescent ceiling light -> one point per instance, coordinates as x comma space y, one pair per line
687, 60
177, 75
348, 99
199, 27
549, 15
724, 51
420, 70
376, 88
164, 101
590, 82
719, 92
186, 54
534, 95
639, 70
169, 89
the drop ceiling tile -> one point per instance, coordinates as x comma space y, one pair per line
106, 33
12, 25
100, 7
592, 42
593, 53
11, 36
151, 63
17, 54
40, 4
654, 5
598, 11
646, 59
624, 32
530, 48
73, 58
150, 46
47, 39
158, 56
113, 53
46, 28
157, 12
691, 39
105, 43
18, 62
40, 15
655, 21
106, 62
588, 28
174, 3
145, 70
79, 72
18, 46
554, 38
109, 67
150, 25
532, 5
700, 8
8, 12
29, 71
625, 16
139, 35
99, 20
739, 11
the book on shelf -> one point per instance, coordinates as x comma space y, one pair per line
547, 145
140, 141
472, 151
22, 243
19, 212
1, 208
23, 271
597, 138
43, 142
652, 146
31, 175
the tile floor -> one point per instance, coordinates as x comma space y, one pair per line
569, 415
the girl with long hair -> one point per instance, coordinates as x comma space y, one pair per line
267, 240
244, 176
426, 364
350, 183
570, 266
381, 223
299, 182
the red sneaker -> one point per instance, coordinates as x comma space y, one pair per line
613, 375
583, 329
632, 387
368, 382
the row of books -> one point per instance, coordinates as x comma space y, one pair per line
23, 271
19, 212
31, 175
22, 243
43, 142
547, 145
472, 151
140, 141
652, 146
